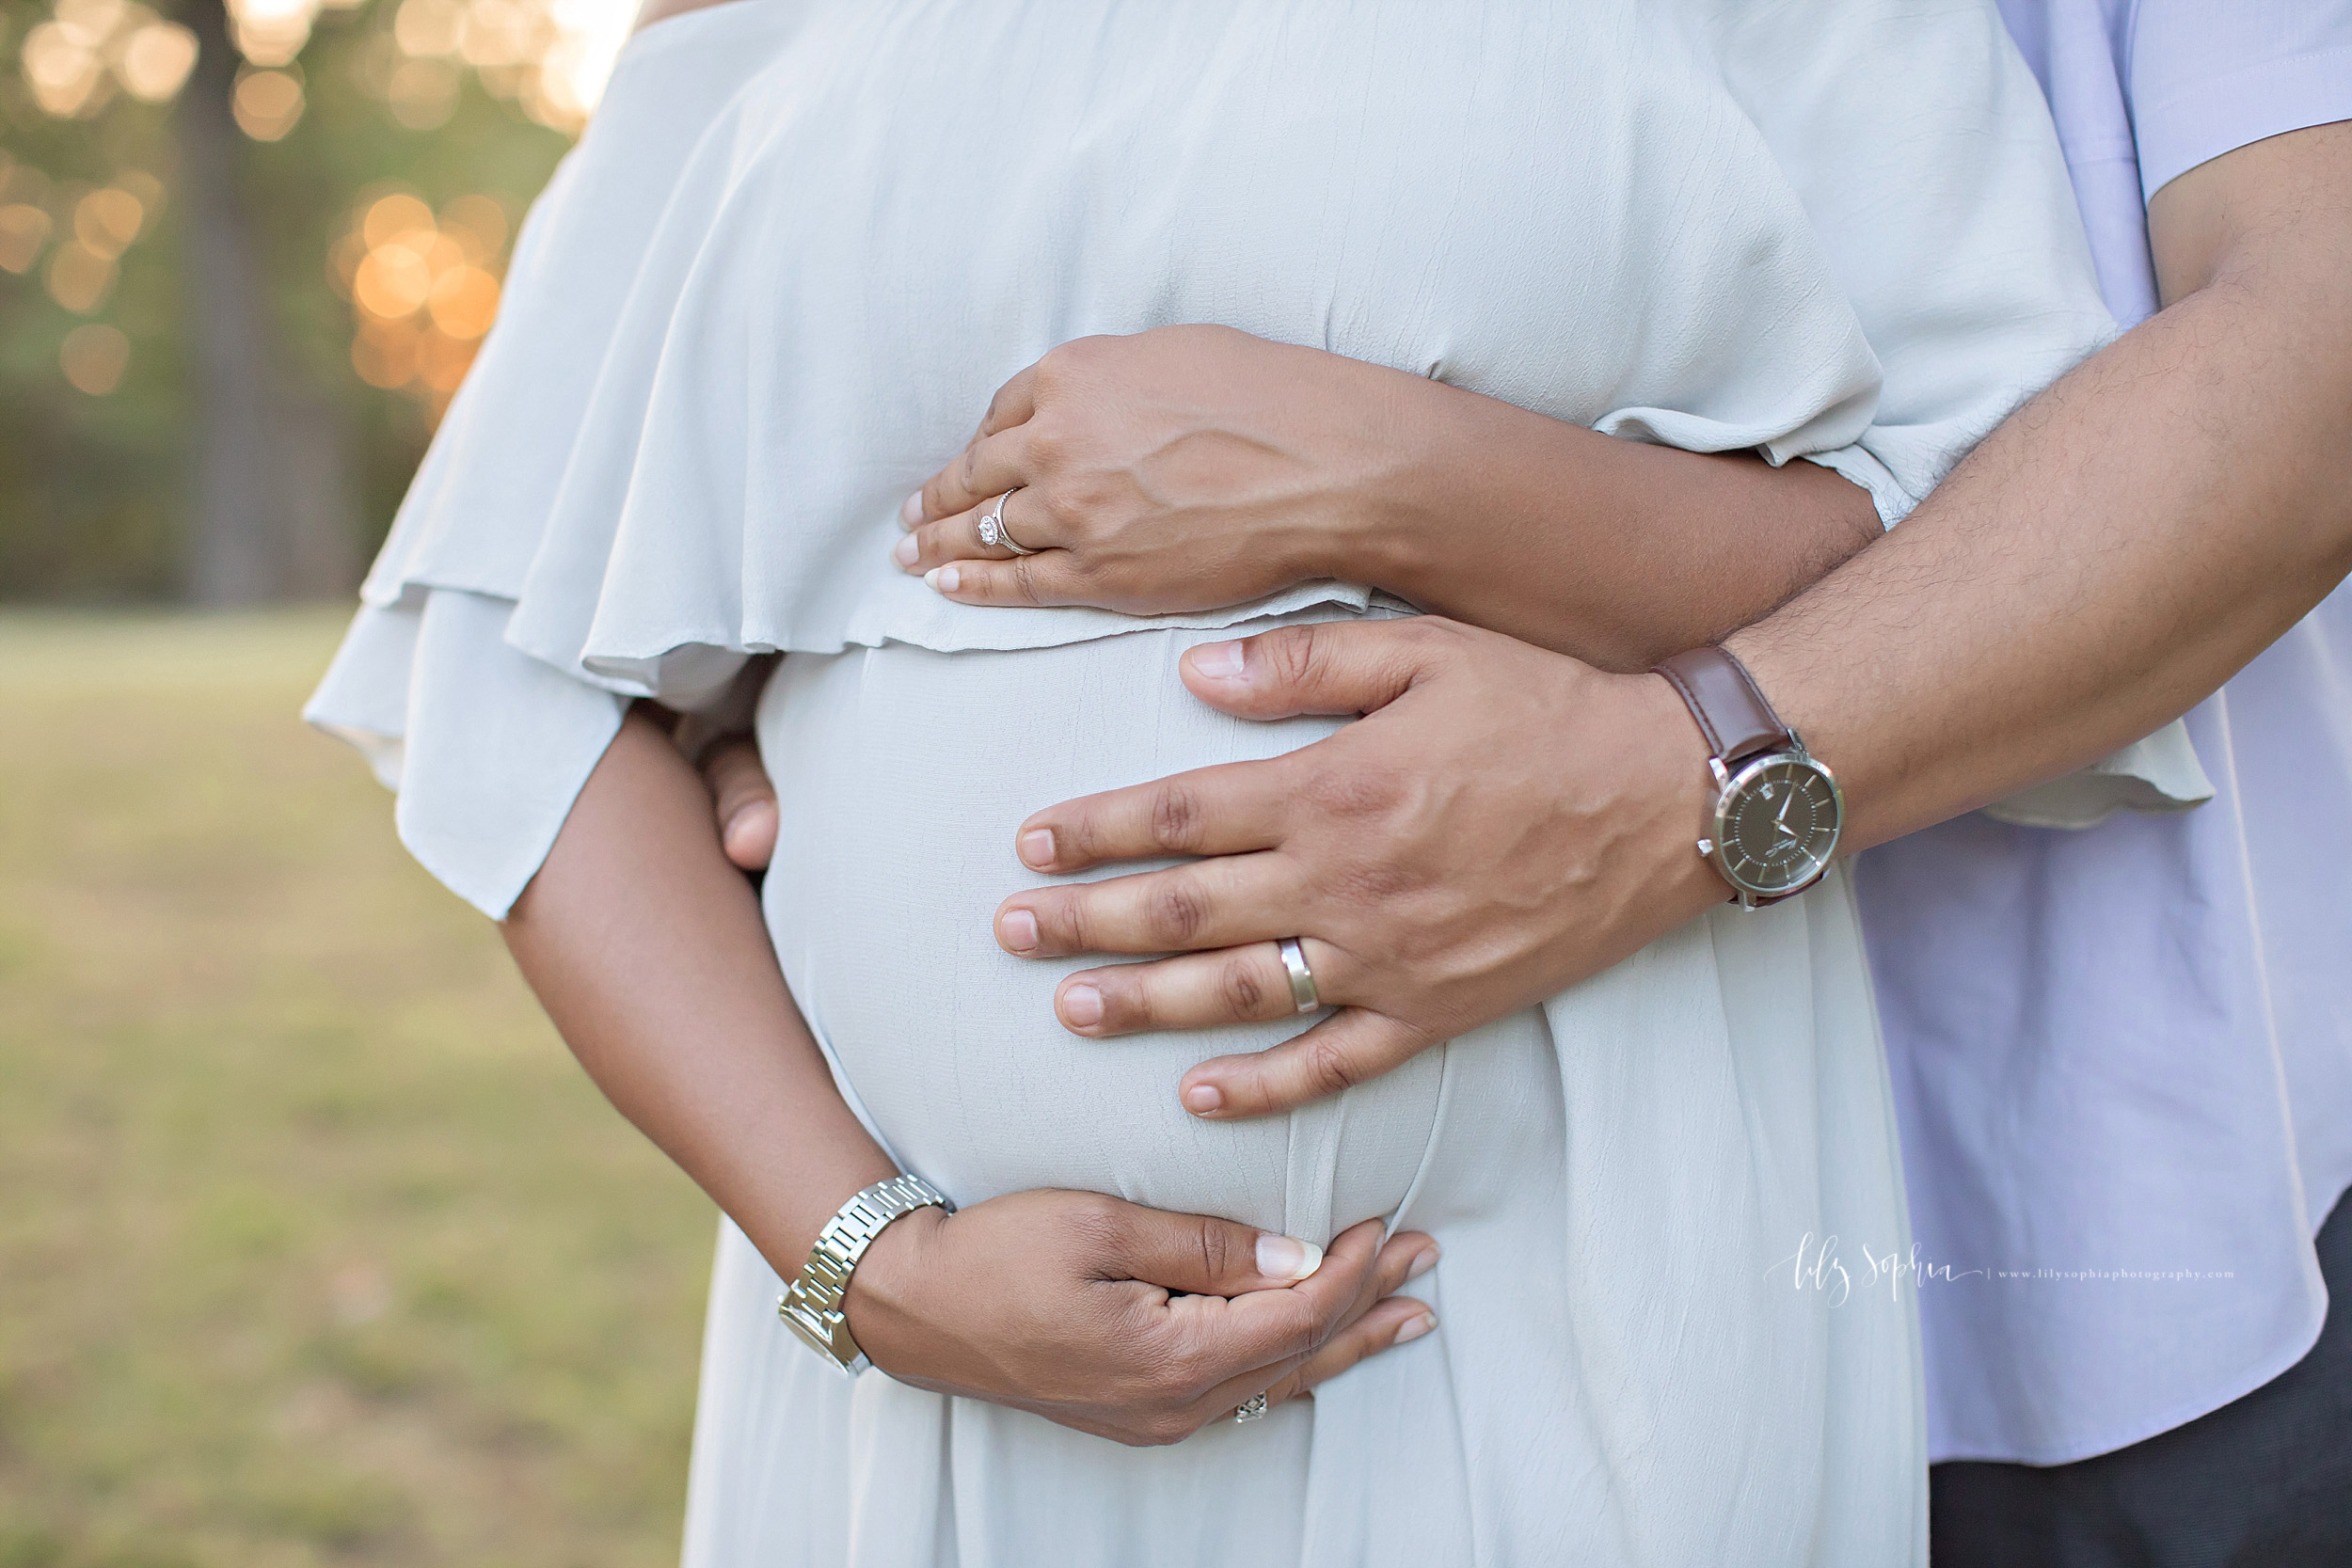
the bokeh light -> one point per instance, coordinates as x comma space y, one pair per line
271, 32
462, 301
24, 230
423, 286
548, 57
91, 229
268, 104
392, 281
64, 72
74, 61
106, 221
155, 60
93, 357
80, 278
391, 218
423, 94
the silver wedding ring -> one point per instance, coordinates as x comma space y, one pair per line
1303, 994
992, 531
1253, 1411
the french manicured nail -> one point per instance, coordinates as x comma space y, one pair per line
947, 579
1082, 1005
1414, 1328
1019, 930
1422, 1264
1037, 848
911, 514
1203, 1100
1287, 1257
1220, 662
906, 549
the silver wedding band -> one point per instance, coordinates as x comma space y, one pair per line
993, 531
1303, 994
1253, 1411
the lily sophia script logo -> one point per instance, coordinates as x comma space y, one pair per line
1818, 1265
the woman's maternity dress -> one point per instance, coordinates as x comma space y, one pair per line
774, 289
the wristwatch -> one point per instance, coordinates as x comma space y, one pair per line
1777, 811
811, 1304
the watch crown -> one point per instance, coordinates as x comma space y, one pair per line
1707, 847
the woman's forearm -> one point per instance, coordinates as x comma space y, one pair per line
1613, 550
1188, 467
647, 949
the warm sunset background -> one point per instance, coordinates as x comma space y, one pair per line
314, 1245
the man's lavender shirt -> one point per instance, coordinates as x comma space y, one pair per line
2128, 1048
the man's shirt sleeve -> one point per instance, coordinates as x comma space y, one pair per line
2209, 76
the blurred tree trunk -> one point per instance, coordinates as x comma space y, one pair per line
271, 517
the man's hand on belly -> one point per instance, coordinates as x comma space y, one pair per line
1502, 822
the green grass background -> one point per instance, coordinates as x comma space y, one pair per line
315, 1246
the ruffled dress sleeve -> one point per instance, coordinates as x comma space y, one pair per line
1956, 287
487, 745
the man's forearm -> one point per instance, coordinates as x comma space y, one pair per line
2124, 544
648, 950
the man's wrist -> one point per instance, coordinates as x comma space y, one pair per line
1784, 674
1674, 768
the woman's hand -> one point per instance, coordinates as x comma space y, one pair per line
1189, 467
1126, 1322
1182, 468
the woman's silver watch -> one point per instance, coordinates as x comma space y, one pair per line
1778, 811
811, 1304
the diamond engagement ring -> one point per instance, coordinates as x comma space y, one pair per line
1253, 1411
1303, 994
992, 531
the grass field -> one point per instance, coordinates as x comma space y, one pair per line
315, 1247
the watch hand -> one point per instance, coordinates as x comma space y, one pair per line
1781, 821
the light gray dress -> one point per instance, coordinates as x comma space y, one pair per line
775, 288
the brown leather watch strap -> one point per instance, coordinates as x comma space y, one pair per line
1732, 714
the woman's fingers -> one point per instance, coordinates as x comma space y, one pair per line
744, 801
1044, 578
1398, 1321
957, 539
1238, 985
1350, 1047
1015, 402
1225, 1336
988, 465
1198, 1255
1220, 1348
1368, 1324
1223, 901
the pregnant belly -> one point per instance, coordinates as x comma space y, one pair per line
903, 774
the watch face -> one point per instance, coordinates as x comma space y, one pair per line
1776, 825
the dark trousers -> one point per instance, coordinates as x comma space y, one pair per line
2263, 1483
